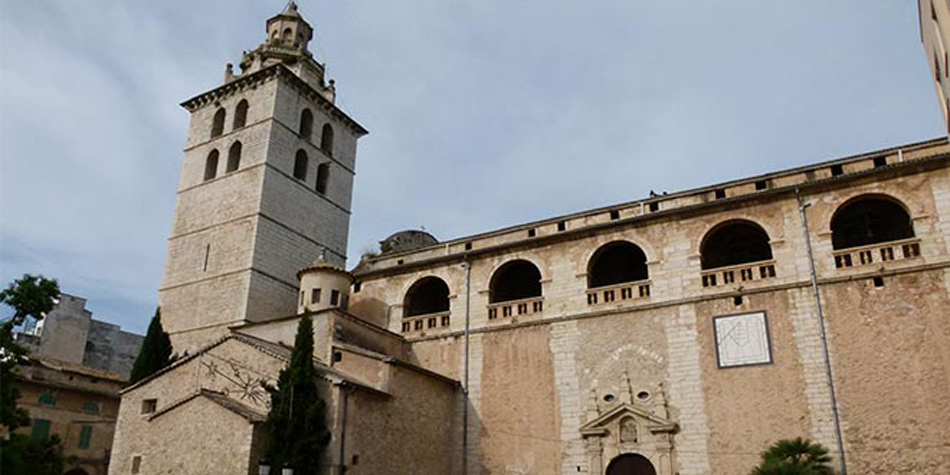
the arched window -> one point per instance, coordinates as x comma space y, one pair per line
306, 124
870, 220
326, 139
515, 280
323, 175
234, 157
217, 126
240, 114
211, 165
288, 35
616, 263
733, 243
427, 295
300, 165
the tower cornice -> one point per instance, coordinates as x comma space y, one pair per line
266, 74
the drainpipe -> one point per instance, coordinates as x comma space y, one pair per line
468, 313
802, 206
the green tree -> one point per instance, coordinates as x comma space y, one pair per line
795, 457
295, 432
156, 351
29, 297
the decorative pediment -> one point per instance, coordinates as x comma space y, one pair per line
602, 425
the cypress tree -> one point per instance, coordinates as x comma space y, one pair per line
156, 351
295, 432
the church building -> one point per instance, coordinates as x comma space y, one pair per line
678, 334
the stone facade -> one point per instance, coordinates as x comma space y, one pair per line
243, 228
809, 302
934, 17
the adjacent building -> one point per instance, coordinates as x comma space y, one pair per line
935, 35
70, 386
676, 334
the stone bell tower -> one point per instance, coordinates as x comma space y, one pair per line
265, 189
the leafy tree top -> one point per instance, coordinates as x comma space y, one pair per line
30, 296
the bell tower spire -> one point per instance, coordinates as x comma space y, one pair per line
288, 41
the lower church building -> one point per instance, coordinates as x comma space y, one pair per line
678, 334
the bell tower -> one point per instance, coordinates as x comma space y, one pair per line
265, 189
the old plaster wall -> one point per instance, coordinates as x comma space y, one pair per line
410, 432
892, 365
519, 407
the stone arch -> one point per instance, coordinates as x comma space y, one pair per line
870, 219
323, 177
217, 125
734, 242
616, 262
234, 157
306, 124
631, 464
326, 139
427, 295
515, 280
240, 114
211, 165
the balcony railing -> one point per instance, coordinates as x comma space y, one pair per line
513, 308
877, 253
749, 272
619, 292
427, 322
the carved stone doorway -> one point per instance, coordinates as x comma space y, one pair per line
630, 464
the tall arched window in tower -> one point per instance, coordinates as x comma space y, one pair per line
515, 280
306, 124
211, 165
733, 243
240, 114
217, 126
616, 263
869, 220
300, 165
234, 157
326, 139
428, 295
323, 176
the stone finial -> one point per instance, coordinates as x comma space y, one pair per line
627, 393
660, 408
593, 408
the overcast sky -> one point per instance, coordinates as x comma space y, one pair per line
482, 113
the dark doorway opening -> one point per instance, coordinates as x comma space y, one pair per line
630, 464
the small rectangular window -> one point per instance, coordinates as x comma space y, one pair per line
720, 194
468, 246
334, 297
149, 406
40, 431
85, 435
761, 185
879, 282
357, 286
654, 206
315, 296
837, 170
561, 226
532, 233
880, 162
91, 408
136, 463
614, 214
737, 300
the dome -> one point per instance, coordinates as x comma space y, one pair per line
408, 240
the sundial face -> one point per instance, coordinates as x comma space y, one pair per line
742, 340
234, 379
